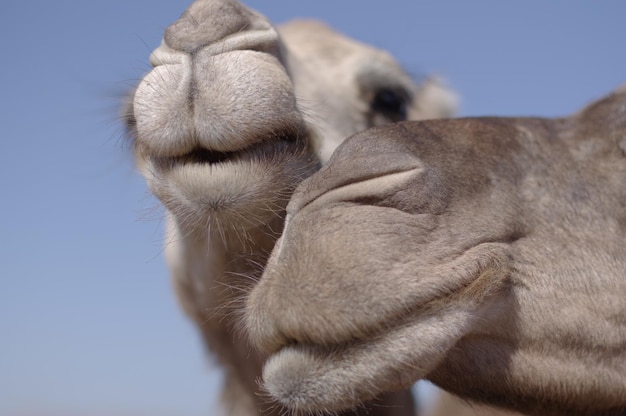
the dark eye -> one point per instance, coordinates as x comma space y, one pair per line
391, 104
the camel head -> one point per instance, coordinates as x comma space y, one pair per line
234, 112
233, 115
488, 255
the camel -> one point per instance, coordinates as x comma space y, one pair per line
233, 117
225, 126
487, 255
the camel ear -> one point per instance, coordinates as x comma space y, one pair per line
434, 99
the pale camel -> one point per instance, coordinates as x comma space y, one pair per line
487, 255
232, 117
229, 121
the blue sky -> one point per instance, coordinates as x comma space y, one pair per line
88, 323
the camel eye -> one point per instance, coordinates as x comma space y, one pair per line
391, 104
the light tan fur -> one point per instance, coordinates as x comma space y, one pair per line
231, 118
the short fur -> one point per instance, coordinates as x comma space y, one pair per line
487, 255
231, 118
235, 115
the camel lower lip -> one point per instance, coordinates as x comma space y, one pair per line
313, 378
291, 375
317, 378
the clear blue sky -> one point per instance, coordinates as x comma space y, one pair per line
88, 323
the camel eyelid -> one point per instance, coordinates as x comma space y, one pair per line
391, 102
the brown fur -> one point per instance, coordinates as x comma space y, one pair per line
487, 255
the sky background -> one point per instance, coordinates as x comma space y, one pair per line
88, 323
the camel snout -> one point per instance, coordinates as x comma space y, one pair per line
210, 21
210, 74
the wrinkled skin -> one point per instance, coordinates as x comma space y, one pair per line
487, 255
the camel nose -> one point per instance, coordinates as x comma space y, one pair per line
206, 22
217, 83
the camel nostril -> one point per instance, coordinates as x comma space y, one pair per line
199, 25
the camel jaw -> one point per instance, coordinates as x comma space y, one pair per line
310, 379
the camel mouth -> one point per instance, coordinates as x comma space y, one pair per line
204, 156
259, 152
